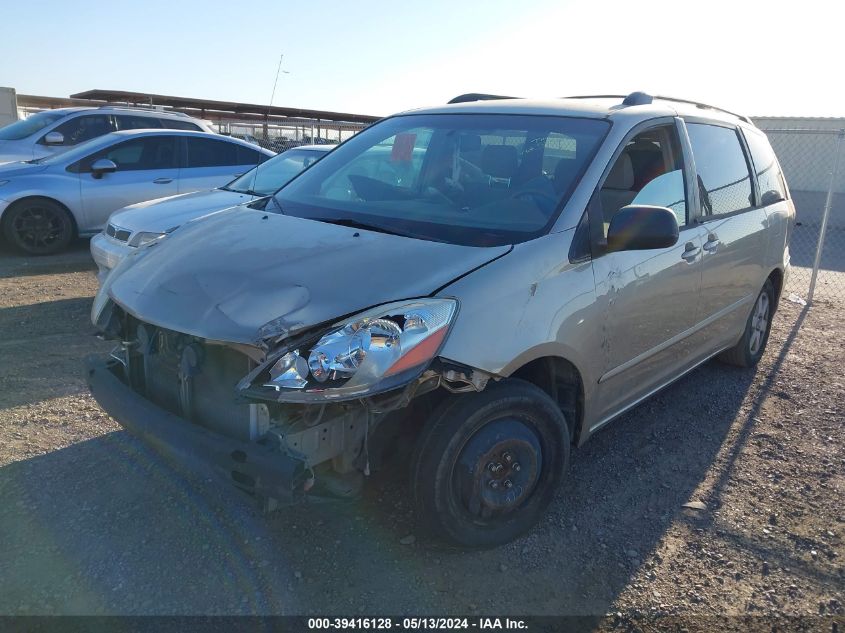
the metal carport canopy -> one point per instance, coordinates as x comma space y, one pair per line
120, 96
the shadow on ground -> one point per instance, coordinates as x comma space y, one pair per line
105, 526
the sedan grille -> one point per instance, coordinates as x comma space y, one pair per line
121, 235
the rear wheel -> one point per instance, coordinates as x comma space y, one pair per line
38, 226
748, 351
488, 464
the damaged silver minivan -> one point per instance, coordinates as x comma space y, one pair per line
487, 283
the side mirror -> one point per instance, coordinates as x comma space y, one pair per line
771, 197
54, 138
641, 227
102, 166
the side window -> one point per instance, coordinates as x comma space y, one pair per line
133, 122
769, 176
206, 152
176, 124
148, 152
84, 128
724, 183
650, 170
247, 156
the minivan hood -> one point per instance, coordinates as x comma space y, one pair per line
224, 277
163, 214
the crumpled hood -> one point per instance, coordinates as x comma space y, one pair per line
224, 277
162, 214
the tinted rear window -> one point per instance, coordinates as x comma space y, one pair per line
207, 152
769, 176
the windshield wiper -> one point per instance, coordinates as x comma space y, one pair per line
355, 224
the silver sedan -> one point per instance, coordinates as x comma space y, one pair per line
45, 203
145, 222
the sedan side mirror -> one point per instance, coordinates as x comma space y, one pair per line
102, 166
54, 138
641, 227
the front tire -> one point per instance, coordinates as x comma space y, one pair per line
488, 464
749, 350
38, 226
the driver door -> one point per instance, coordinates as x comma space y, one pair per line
147, 168
651, 297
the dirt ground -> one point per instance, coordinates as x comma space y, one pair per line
92, 522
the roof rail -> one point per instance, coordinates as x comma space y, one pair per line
641, 98
477, 96
144, 109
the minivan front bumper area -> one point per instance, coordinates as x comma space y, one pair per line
260, 470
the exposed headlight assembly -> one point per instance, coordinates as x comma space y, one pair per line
373, 352
143, 238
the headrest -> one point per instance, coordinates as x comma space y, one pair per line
621, 175
564, 173
499, 161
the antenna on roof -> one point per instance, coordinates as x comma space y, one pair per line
637, 98
477, 96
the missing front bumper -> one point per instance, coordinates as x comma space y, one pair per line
261, 470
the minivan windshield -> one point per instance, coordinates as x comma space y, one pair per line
30, 125
472, 179
270, 176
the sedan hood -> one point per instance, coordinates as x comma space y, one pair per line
163, 214
224, 277
17, 168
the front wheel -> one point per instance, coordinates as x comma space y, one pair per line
38, 226
748, 351
488, 464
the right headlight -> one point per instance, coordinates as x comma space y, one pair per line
370, 353
143, 238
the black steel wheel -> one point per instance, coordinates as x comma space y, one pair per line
38, 226
488, 464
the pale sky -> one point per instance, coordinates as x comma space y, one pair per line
379, 57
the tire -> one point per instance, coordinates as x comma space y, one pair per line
38, 226
512, 433
749, 350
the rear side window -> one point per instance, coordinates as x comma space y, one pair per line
176, 124
84, 128
206, 152
133, 122
724, 183
247, 156
148, 152
769, 176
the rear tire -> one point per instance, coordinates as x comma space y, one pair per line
488, 464
749, 350
38, 226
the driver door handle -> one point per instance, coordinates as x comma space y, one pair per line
162, 181
691, 251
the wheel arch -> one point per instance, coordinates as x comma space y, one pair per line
776, 276
561, 379
5, 214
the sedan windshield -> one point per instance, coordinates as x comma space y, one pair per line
473, 179
269, 177
30, 125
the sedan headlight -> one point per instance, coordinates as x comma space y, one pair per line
140, 239
373, 352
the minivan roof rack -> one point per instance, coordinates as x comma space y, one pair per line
477, 96
144, 109
643, 98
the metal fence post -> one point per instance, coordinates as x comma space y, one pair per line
827, 206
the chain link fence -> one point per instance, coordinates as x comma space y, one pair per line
812, 162
279, 136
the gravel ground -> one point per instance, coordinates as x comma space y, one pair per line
91, 522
